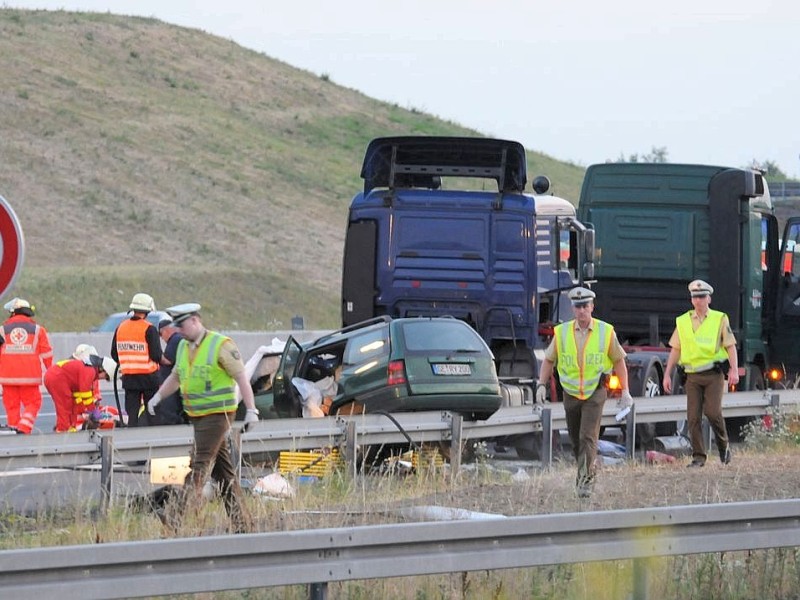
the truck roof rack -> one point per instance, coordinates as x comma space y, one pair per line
419, 161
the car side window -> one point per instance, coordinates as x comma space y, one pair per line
367, 346
289, 359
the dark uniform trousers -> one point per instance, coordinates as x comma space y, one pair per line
583, 423
212, 456
704, 397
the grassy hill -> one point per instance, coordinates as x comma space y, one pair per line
142, 156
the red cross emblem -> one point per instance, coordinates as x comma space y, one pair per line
18, 336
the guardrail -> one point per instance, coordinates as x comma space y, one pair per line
319, 556
140, 444
784, 190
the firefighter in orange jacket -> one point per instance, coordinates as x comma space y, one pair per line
137, 348
24, 354
74, 385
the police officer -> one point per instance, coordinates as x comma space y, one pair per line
584, 351
170, 410
704, 345
207, 365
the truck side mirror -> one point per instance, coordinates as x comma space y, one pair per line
589, 254
588, 245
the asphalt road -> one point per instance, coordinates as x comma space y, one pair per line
46, 421
32, 491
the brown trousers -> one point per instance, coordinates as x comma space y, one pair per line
704, 397
212, 456
583, 424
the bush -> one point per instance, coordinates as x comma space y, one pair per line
776, 429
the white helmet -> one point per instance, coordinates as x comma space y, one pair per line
16, 304
83, 351
110, 367
143, 302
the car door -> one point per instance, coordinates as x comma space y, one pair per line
363, 369
287, 401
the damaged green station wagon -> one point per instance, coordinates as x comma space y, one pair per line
390, 365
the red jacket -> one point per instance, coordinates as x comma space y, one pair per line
71, 379
25, 351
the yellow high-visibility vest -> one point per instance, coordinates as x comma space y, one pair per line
206, 388
701, 349
580, 376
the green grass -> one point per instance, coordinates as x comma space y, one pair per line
231, 298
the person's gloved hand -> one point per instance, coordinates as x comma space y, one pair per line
541, 393
625, 400
152, 403
250, 417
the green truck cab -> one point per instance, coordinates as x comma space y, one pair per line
658, 227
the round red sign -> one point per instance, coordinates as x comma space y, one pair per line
12, 246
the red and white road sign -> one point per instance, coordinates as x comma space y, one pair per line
12, 246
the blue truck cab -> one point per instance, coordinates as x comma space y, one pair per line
443, 226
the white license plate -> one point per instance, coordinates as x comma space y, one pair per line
451, 369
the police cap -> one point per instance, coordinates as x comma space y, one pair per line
181, 312
700, 288
581, 296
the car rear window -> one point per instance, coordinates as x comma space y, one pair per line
441, 335
367, 346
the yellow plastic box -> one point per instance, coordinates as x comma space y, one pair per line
317, 463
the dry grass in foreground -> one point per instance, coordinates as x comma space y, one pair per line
510, 489
506, 489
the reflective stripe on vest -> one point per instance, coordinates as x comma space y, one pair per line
132, 349
206, 388
19, 355
580, 377
701, 349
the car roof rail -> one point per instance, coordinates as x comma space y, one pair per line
354, 327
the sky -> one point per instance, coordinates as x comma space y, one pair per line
710, 81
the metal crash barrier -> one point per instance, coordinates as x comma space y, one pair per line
110, 447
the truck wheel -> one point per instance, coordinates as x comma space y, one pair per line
679, 427
651, 387
670, 428
528, 445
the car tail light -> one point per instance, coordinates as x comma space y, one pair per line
397, 373
613, 383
